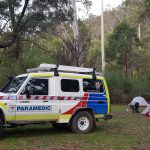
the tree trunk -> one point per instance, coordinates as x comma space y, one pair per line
76, 33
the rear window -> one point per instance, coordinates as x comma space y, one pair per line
90, 85
68, 85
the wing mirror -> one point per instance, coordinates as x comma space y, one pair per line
27, 92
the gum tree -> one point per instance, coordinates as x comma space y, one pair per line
20, 19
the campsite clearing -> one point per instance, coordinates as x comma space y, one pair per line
126, 131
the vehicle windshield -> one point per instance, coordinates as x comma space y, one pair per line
15, 85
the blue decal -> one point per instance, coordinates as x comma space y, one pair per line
98, 102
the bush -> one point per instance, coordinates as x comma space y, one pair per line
123, 89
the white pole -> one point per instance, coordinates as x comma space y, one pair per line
139, 33
102, 39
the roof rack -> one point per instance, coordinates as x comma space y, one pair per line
62, 68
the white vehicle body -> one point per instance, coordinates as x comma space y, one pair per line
58, 104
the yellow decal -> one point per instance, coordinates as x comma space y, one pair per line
36, 117
41, 75
66, 116
107, 95
79, 76
65, 75
10, 118
3, 106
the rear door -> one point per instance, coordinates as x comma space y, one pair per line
96, 93
70, 92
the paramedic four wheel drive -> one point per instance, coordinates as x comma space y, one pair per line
74, 96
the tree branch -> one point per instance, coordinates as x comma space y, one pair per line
37, 45
22, 14
12, 14
5, 45
1, 30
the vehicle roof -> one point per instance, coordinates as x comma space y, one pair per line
61, 74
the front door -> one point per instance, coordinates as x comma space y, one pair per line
34, 102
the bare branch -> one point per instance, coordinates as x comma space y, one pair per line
4, 26
22, 13
12, 14
38, 45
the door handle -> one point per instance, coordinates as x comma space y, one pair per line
45, 101
25, 102
100, 102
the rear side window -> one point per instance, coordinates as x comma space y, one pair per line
68, 85
90, 85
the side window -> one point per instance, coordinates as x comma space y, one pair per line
90, 85
37, 87
68, 85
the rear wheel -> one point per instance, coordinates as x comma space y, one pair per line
1, 127
82, 122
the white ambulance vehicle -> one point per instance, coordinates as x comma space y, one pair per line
60, 95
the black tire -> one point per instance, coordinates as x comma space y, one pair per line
84, 120
55, 125
59, 125
13, 125
1, 127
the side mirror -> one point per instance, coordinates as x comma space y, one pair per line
10, 78
27, 92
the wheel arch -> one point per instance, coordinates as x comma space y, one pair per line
2, 115
90, 110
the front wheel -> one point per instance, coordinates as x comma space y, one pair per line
1, 127
82, 122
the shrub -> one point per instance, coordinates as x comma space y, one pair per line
123, 89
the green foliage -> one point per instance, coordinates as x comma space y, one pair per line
147, 8
121, 42
94, 54
123, 89
21, 19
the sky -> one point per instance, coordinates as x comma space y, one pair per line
96, 7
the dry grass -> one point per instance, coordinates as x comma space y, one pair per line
126, 131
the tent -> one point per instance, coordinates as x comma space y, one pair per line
146, 112
140, 100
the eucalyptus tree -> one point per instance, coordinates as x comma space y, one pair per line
20, 19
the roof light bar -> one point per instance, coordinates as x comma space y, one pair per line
63, 68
